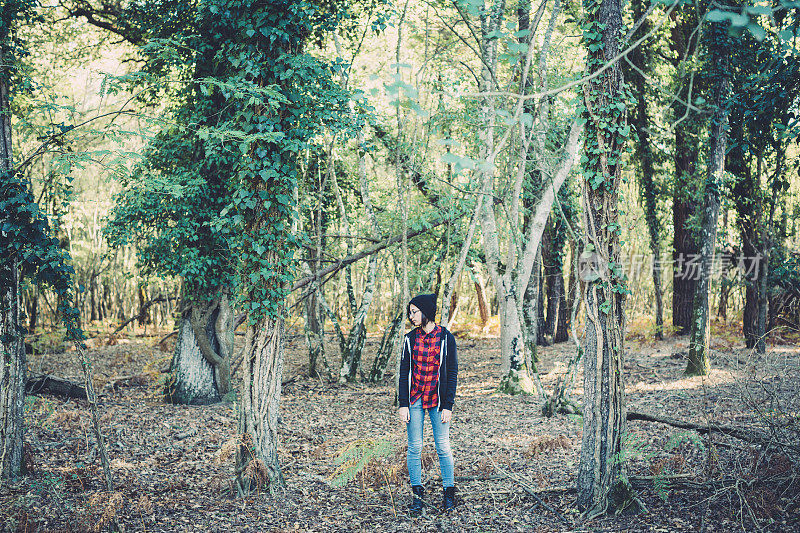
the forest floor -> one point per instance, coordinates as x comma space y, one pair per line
172, 471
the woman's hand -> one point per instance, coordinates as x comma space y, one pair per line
404, 415
447, 414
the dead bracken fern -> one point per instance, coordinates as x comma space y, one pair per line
103, 508
547, 443
227, 450
355, 457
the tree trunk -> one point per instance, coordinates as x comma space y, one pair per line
144, 313
200, 369
315, 333
747, 202
563, 325
699, 345
387, 348
767, 244
599, 483
257, 464
480, 294
351, 358
12, 374
687, 142
540, 304
640, 57
93, 296
550, 284
530, 315
555, 297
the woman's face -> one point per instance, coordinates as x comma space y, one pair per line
415, 315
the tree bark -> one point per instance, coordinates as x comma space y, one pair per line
351, 358
640, 57
480, 294
12, 374
685, 249
13, 371
599, 483
699, 360
257, 465
767, 244
200, 369
747, 202
315, 333
388, 345
567, 298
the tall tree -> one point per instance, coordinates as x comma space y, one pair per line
292, 97
639, 66
190, 162
687, 129
27, 249
599, 482
511, 266
718, 45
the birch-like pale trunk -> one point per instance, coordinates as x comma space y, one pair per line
12, 375
13, 372
201, 364
699, 359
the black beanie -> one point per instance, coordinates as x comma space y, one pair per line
427, 304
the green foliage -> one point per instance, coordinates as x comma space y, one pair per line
265, 50
25, 236
357, 455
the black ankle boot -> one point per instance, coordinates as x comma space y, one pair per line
416, 500
449, 498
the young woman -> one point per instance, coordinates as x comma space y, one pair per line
428, 378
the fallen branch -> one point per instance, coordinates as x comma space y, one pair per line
54, 386
478, 478
94, 410
116, 382
751, 436
528, 490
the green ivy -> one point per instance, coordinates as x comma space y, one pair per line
25, 233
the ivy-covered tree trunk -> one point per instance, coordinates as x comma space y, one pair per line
685, 251
294, 98
200, 369
700, 343
12, 374
640, 57
599, 483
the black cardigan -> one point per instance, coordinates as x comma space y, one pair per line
448, 369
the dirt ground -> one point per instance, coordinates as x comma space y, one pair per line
172, 473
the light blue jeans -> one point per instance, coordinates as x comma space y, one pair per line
441, 437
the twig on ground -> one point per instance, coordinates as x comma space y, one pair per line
529, 490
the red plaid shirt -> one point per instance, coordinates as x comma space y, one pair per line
425, 358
